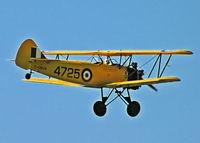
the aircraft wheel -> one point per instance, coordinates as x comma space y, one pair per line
133, 108
99, 108
28, 76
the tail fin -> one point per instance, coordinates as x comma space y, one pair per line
27, 50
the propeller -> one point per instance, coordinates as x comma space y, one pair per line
153, 87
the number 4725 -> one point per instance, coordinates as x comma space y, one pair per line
70, 72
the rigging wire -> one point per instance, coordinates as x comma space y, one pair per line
148, 61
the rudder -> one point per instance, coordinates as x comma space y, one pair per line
27, 50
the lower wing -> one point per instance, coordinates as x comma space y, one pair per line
51, 81
124, 84
133, 83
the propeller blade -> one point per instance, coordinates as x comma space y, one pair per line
152, 87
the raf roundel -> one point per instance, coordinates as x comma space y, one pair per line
86, 75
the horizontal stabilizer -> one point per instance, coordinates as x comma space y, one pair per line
10, 60
120, 53
51, 81
133, 83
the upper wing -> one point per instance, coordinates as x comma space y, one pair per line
51, 81
142, 82
120, 53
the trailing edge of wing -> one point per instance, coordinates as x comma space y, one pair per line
51, 81
142, 82
118, 53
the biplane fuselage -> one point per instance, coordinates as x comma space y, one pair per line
73, 71
117, 76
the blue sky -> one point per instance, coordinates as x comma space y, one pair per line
31, 112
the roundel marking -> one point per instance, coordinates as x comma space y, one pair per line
86, 75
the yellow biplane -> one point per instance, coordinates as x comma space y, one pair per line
119, 76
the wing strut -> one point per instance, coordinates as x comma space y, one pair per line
57, 57
159, 61
166, 65
130, 57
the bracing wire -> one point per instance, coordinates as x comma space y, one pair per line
148, 61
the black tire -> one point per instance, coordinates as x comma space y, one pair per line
99, 108
28, 76
133, 109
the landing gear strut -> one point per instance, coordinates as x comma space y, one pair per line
100, 106
133, 107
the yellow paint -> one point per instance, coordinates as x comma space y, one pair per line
24, 53
51, 81
142, 82
70, 72
101, 73
119, 53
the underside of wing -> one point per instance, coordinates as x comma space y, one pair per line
133, 83
51, 81
120, 53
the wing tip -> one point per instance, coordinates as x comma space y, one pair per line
177, 79
188, 52
171, 78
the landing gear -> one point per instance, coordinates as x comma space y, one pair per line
133, 108
100, 107
28, 76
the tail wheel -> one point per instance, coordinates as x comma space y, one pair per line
133, 108
28, 76
99, 108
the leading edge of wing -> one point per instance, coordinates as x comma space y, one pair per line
120, 53
133, 83
51, 81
